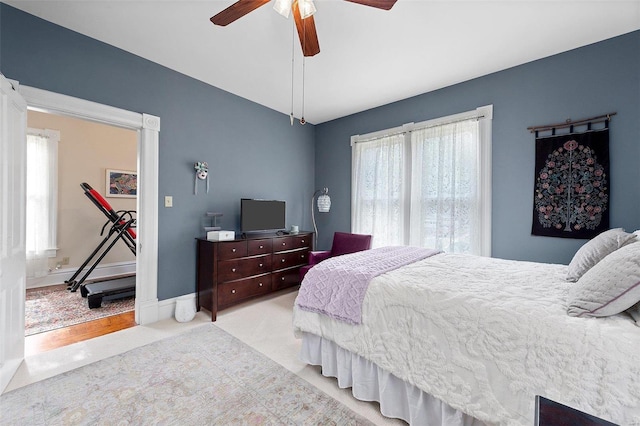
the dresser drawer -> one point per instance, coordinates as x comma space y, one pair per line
285, 279
291, 242
232, 250
256, 247
302, 241
233, 292
283, 244
290, 259
235, 269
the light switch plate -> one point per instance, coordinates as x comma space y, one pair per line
168, 201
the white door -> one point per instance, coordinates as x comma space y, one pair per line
13, 113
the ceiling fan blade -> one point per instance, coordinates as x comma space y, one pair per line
306, 32
380, 4
236, 11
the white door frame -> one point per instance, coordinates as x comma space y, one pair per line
148, 128
13, 126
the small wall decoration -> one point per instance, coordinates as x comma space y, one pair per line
121, 183
202, 173
572, 181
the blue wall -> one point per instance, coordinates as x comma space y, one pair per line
252, 151
585, 82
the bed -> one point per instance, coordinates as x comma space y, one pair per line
456, 339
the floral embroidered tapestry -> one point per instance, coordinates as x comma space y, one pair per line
571, 194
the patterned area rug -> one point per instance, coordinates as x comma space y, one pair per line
49, 308
205, 376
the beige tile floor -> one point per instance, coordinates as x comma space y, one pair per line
263, 324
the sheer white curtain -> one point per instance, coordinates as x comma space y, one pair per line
41, 209
445, 187
426, 184
378, 189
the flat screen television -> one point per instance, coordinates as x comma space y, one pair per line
261, 215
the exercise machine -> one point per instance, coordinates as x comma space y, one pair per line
120, 226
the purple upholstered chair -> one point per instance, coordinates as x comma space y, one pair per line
343, 243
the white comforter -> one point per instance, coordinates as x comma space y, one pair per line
486, 335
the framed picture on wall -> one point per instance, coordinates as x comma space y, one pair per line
121, 183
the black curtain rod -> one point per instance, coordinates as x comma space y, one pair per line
569, 123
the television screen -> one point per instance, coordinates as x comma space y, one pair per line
261, 215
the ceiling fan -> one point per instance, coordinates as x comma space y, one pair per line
303, 11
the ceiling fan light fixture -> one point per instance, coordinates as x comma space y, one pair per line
307, 8
283, 7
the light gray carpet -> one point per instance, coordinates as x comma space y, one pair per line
205, 376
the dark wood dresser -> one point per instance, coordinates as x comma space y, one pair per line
231, 272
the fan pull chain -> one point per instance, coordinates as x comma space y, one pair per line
302, 120
293, 39
304, 45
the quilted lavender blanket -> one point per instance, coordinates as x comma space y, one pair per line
336, 287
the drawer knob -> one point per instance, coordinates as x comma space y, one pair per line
282, 260
282, 279
260, 284
302, 241
261, 246
233, 291
302, 256
233, 250
284, 244
233, 269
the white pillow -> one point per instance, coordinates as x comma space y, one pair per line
594, 250
610, 287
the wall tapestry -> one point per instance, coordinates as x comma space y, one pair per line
571, 194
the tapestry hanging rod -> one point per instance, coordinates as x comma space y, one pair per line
569, 123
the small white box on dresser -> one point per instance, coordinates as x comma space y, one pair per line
221, 235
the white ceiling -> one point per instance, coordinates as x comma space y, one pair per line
368, 57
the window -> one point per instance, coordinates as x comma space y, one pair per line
42, 196
379, 189
426, 184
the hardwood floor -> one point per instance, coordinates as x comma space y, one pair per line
43, 342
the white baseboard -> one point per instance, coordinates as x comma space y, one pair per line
147, 312
102, 271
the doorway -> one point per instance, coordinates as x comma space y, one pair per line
15, 100
148, 132
87, 152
